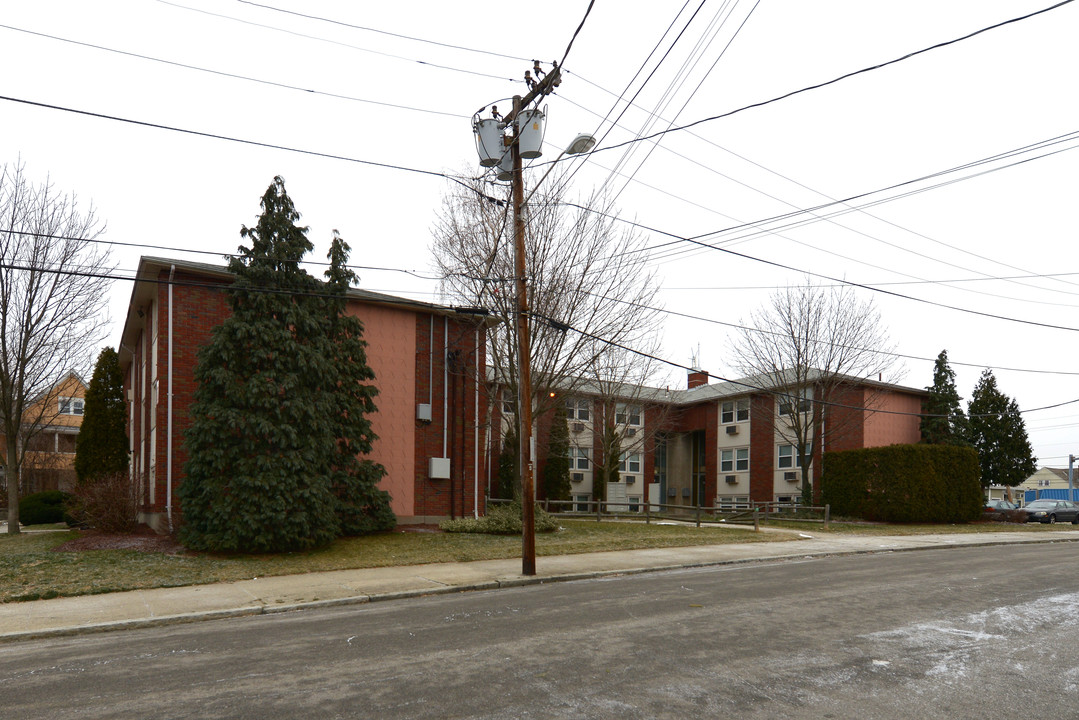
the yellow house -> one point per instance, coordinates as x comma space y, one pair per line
1047, 478
49, 462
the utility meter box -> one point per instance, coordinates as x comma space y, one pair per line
439, 469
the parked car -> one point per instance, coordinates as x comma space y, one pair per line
999, 510
1051, 511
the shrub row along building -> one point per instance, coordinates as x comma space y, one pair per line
438, 429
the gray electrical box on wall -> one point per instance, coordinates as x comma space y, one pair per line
439, 469
423, 413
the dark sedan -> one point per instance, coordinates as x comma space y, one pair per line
1051, 511
1000, 510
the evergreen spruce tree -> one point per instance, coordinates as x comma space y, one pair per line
998, 433
361, 506
509, 478
272, 429
944, 422
101, 447
556, 483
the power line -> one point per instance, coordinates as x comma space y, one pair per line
234, 76
760, 388
736, 326
334, 42
838, 79
384, 32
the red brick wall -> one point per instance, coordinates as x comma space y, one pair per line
761, 448
198, 309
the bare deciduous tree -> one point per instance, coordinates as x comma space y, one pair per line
805, 348
589, 284
53, 294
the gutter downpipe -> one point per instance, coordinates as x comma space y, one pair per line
168, 421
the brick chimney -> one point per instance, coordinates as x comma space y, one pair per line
697, 378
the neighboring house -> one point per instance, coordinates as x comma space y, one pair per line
1044, 479
717, 444
431, 419
49, 457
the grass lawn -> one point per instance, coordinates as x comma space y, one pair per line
30, 569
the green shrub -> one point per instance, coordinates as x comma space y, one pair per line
43, 508
500, 520
904, 483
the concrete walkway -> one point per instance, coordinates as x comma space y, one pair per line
161, 606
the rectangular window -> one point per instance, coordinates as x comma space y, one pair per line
797, 398
579, 458
509, 402
743, 410
578, 410
734, 460
629, 462
734, 411
582, 503
627, 414
71, 406
727, 415
788, 456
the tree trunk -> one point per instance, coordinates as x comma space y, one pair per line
11, 473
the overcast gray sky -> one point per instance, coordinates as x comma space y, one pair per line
961, 158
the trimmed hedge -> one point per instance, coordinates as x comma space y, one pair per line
43, 508
904, 483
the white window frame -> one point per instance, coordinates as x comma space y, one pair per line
578, 409
804, 398
793, 455
629, 462
72, 406
580, 458
734, 411
626, 414
734, 460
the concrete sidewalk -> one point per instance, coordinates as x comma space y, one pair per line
161, 606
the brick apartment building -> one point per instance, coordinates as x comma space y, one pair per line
427, 359
719, 444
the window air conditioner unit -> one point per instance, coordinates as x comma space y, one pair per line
790, 476
631, 432
577, 477
578, 427
731, 479
732, 429
630, 479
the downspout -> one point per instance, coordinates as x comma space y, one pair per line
445, 385
476, 437
168, 420
446, 400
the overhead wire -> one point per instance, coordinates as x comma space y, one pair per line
233, 76
335, 42
743, 382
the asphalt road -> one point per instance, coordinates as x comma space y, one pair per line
961, 633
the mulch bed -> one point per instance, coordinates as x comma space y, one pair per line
143, 539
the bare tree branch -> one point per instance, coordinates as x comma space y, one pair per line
53, 296
808, 347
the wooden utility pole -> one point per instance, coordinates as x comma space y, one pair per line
524, 357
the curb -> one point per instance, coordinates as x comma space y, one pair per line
249, 610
